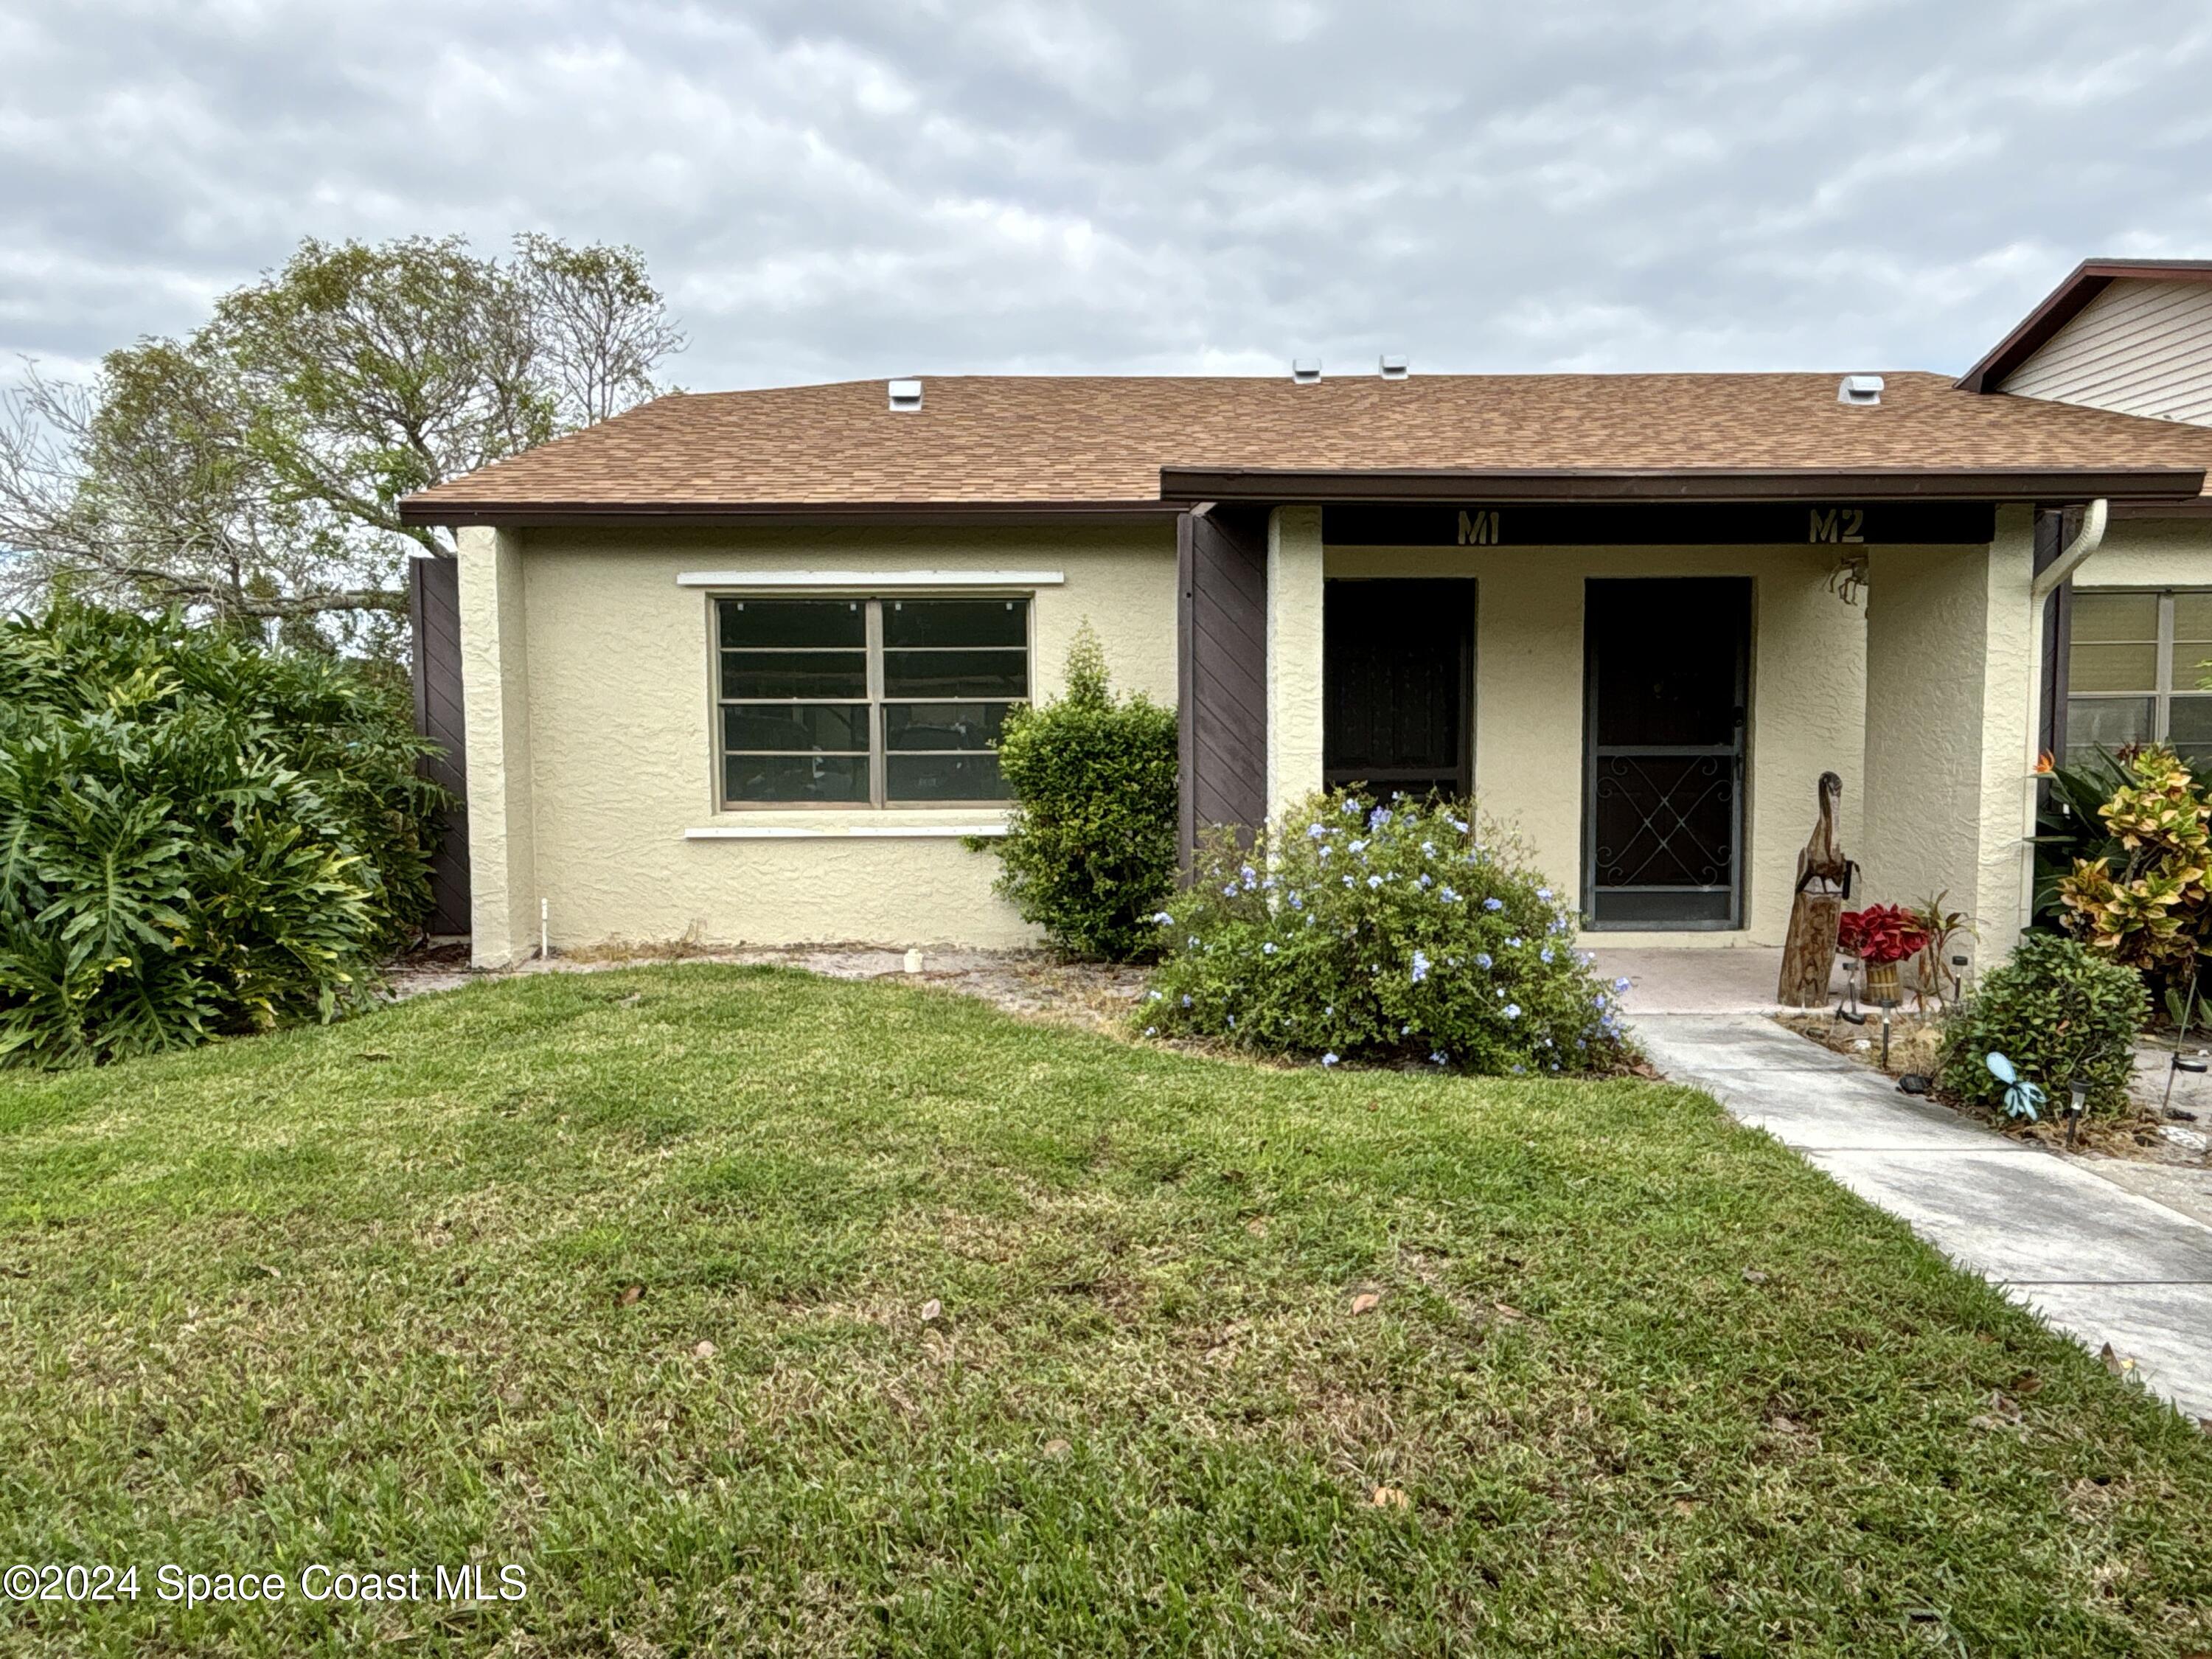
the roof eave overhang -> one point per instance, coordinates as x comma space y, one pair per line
416, 510
1701, 485
2063, 305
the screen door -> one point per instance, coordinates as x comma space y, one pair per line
1665, 661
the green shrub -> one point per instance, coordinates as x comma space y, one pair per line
1405, 931
196, 836
2059, 1013
1089, 848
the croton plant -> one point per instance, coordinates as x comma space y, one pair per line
1879, 934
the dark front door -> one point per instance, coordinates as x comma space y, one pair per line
1665, 661
1398, 685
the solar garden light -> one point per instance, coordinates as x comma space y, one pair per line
2077, 1100
1959, 963
1888, 1008
2191, 1063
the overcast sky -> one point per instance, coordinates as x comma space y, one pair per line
832, 188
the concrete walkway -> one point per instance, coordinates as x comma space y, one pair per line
2102, 1262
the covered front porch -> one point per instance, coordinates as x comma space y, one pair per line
1647, 694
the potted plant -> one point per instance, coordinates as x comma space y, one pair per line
1881, 936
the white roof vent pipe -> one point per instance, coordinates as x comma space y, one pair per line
1392, 367
1305, 371
1859, 390
906, 395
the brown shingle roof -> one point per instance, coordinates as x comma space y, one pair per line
990, 440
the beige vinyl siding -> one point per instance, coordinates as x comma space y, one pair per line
2141, 347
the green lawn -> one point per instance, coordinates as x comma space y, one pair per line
360, 1296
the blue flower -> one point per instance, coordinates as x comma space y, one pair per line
1513, 944
1620, 985
1249, 874
1350, 805
1347, 881
1436, 1058
1193, 941
1512, 1010
1420, 966
1163, 918
1372, 881
1329, 1059
1230, 892
1296, 902
1493, 904
1324, 851
1316, 831
1157, 995
1447, 894
1428, 849
1151, 1031
1426, 880
1482, 959
1330, 1009
1186, 999
1455, 823
1355, 846
1268, 949
1545, 955
1544, 893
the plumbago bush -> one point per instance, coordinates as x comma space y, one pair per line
1388, 933
197, 837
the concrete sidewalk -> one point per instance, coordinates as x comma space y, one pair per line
2102, 1262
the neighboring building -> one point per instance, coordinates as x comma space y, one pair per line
733, 662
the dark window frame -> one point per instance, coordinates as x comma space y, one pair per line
876, 702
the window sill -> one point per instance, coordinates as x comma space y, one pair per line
860, 825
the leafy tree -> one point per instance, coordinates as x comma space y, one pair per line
252, 471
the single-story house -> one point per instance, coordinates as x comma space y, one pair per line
730, 666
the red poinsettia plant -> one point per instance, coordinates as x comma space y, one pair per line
1879, 934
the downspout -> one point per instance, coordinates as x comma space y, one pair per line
2076, 554
2087, 540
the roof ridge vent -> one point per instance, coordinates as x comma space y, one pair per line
906, 396
1859, 390
1393, 366
1305, 371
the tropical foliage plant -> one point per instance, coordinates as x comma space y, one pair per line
1090, 849
1391, 931
2142, 901
198, 835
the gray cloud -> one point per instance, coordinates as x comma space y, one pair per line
828, 187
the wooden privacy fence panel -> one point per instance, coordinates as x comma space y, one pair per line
1222, 678
434, 615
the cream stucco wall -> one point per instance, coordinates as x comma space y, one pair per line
610, 657
1951, 702
1807, 699
1295, 563
2151, 553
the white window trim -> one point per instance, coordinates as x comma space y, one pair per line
840, 580
878, 831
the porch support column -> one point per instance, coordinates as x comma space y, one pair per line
496, 700
1950, 714
1294, 657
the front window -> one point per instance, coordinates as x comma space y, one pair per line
866, 701
2135, 672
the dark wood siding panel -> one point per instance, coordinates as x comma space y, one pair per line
1222, 557
433, 610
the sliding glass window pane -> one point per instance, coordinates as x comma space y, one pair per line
942, 725
797, 778
2105, 722
794, 674
2189, 727
838, 726
787, 624
2112, 667
957, 674
2098, 616
943, 777
956, 621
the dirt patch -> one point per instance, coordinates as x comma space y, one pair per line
1916, 1042
1034, 984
